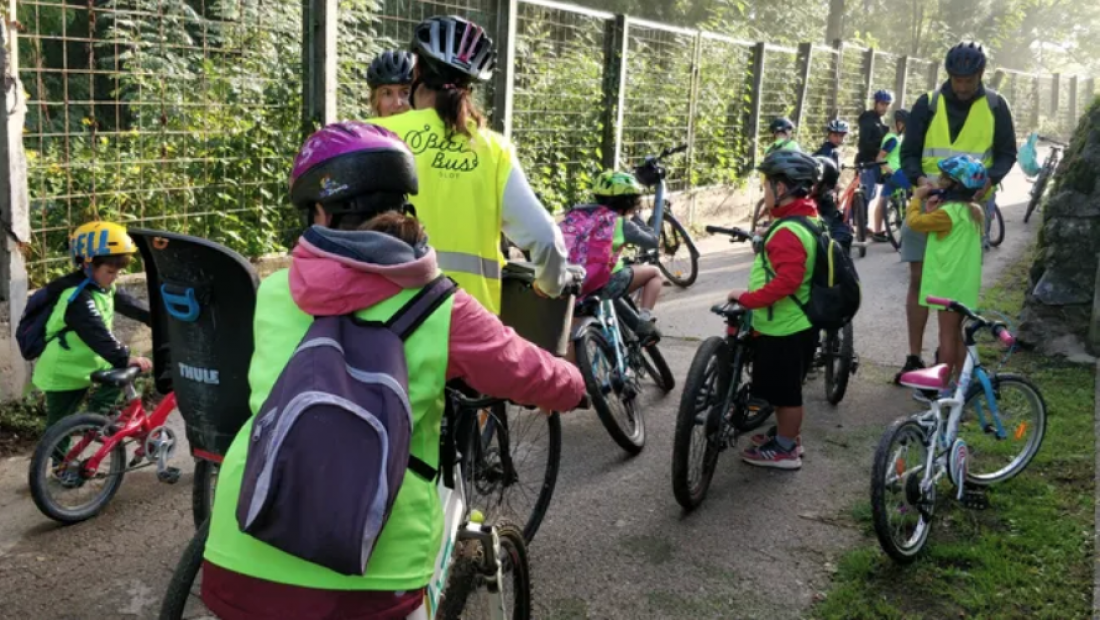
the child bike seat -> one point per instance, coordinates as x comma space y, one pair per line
934, 378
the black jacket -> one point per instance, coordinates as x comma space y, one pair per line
872, 130
1004, 132
82, 317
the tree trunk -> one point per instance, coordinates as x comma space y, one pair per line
835, 28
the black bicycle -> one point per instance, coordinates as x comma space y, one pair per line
1050, 164
894, 217
837, 356
677, 256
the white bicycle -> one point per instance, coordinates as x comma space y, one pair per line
994, 427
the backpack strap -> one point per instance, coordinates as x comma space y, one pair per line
804, 222
417, 310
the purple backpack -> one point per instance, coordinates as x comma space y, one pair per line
330, 446
590, 238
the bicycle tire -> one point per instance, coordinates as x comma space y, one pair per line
859, 208
202, 490
884, 464
1037, 192
996, 224
838, 362
704, 392
1035, 437
38, 472
657, 368
464, 578
670, 223
893, 219
757, 215
506, 483
632, 442
180, 592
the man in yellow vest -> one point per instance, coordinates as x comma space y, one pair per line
962, 117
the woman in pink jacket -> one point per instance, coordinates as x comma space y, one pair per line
365, 254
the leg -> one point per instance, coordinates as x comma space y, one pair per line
916, 315
880, 214
950, 340
647, 278
778, 367
104, 398
60, 405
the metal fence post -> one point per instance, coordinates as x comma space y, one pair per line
869, 86
901, 82
933, 76
1037, 102
838, 74
805, 62
756, 99
693, 111
504, 80
614, 88
319, 32
1073, 99
1055, 94
14, 210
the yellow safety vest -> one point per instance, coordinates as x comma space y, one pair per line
975, 139
461, 198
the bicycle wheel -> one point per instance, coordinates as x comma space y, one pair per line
202, 490
614, 398
1037, 192
1023, 418
468, 594
838, 349
63, 491
677, 257
697, 440
514, 467
757, 215
183, 600
859, 209
893, 219
901, 513
996, 227
657, 368
748, 415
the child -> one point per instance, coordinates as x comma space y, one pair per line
80, 340
785, 348
893, 177
838, 131
953, 257
825, 197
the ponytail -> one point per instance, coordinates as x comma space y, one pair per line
454, 99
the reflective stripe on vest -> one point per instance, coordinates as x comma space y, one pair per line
469, 264
975, 139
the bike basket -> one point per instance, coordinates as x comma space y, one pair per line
544, 322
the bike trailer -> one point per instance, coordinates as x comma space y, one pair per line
202, 297
544, 322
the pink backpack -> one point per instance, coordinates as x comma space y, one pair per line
590, 237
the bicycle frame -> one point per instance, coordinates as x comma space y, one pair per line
134, 423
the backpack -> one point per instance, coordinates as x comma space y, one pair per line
31, 331
834, 284
590, 238
1028, 157
330, 445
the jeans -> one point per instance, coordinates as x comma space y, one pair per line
869, 180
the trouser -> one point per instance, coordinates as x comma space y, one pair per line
60, 405
869, 180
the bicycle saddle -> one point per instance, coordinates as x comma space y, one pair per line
934, 378
728, 310
117, 377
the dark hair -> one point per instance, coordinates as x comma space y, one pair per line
454, 101
351, 214
619, 204
397, 224
118, 261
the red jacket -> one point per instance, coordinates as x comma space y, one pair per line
787, 258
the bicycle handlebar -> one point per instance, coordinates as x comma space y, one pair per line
736, 233
1053, 141
866, 166
1000, 330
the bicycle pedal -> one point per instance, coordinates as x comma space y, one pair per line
975, 499
170, 475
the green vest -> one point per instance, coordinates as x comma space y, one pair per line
893, 158
783, 145
404, 557
61, 370
975, 139
953, 264
618, 243
785, 317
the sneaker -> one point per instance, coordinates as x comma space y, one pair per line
879, 237
647, 331
771, 455
763, 438
911, 363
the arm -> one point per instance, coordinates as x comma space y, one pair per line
938, 221
129, 307
787, 258
637, 234
885, 152
912, 148
84, 319
493, 360
529, 225
1004, 142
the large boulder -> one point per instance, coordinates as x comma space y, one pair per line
1058, 310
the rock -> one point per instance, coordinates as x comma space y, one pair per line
1062, 287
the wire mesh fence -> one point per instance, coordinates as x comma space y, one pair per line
1026, 103
819, 94
779, 94
722, 112
852, 87
885, 75
916, 79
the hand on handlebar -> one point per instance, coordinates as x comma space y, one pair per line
735, 295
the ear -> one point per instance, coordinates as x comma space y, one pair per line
320, 217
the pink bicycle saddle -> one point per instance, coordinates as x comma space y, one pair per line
934, 378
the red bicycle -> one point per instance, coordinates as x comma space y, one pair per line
79, 463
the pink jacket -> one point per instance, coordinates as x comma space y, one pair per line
351, 274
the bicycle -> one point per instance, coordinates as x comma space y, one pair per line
999, 443
836, 354
476, 564
994, 233
1050, 164
60, 462
716, 406
853, 205
674, 237
613, 360
894, 217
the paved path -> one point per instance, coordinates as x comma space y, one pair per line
615, 543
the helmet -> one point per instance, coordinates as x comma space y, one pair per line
830, 173
456, 43
901, 116
965, 59
391, 67
837, 126
99, 239
801, 169
614, 183
966, 171
884, 96
781, 124
344, 160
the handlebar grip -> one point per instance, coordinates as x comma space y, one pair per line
939, 301
1004, 335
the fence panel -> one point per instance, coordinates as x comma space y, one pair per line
916, 81
1023, 111
780, 93
852, 96
886, 71
169, 113
557, 118
819, 94
721, 146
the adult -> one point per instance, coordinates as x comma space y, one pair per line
390, 77
871, 131
472, 187
961, 117
365, 255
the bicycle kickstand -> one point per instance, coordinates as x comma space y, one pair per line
975, 497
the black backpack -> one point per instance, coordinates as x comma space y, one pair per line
834, 285
31, 332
